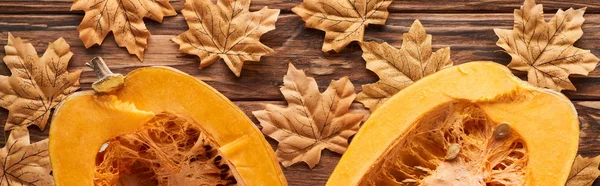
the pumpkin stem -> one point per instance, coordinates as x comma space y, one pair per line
108, 81
99, 66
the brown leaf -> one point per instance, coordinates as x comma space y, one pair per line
226, 30
399, 68
25, 163
312, 121
545, 49
123, 18
36, 85
343, 21
584, 171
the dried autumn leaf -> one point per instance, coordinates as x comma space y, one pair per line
343, 21
584, 171
399, 68
37, 84
545, 49
312, 121
25, 163
123, 18
226, 30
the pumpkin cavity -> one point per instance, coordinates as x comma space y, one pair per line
168, 150
453, 144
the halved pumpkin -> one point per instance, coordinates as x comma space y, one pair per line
471, 124
163, 127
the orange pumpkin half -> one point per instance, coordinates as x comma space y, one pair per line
471, 124
161, 127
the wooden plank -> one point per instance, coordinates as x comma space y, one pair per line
456, 23
470, 36
300, 175
397, 6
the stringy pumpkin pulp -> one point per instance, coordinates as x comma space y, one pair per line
168, 150
422, 156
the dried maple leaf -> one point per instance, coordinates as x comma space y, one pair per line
25, 163
399, 68
545, 49
584, 171
36, 85
226, 30
343, 21
312, 121
123, 18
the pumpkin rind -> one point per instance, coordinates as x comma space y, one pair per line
545, 119
85, 121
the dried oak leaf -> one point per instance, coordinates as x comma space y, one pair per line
343, 21
399, 68
37, 84
312, 121
545, 49
25, 163
226, 30
123, 18
584, 171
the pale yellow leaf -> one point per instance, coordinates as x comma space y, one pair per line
399, 68
343, 21
225, 30
545, 49
25, 163
123, 18
584, 171
37, 84
312, 121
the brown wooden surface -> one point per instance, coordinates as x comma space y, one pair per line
464, 25
429, 6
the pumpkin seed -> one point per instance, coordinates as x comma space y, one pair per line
453, 150
501, 131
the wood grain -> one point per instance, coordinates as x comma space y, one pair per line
470, 37
398, 6
464, 25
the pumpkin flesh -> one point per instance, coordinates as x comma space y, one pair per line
170, 150
83, 123
422, 156
73, 150
389, 149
